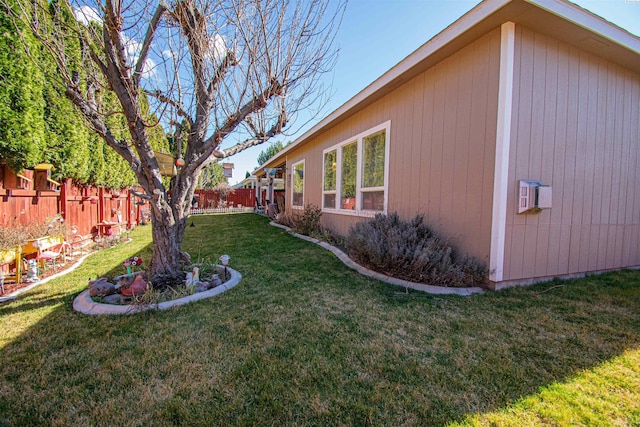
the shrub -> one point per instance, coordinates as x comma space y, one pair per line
307, 222
410, 250
18, 234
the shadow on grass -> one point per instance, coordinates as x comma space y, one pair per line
302, 340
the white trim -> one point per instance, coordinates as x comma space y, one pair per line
503, 142
293, 177
335, 190
386, 167
358, 139
590, 22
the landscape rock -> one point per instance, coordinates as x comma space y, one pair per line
138, 287
215, 281
112, 299
202, 286
126, 280
101, 287
185, 259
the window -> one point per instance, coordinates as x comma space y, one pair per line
329, 180
297, 200
355, 173
373, 148
349, 166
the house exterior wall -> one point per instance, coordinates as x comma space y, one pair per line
574, 127
442, 147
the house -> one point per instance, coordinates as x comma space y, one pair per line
266, 188
515, 131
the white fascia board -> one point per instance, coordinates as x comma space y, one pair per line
589, 21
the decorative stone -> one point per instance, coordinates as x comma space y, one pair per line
101, 287
138, 287
126, 280
202, 286
215, 280
112, 299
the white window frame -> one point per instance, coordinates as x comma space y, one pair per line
304, 184
325, 192
386, 126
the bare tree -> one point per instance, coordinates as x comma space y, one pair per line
235, 71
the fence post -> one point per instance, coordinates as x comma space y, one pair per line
62, 199
128, 208
100, 205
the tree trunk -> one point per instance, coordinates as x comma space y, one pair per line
168, 228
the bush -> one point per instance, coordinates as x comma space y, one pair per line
410, 250
18, 234
307, 223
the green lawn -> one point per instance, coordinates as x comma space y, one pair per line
303, 340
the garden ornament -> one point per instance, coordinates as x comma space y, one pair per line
193, 278
32, 271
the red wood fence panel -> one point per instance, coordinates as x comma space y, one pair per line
89, 210
241, 196
84, 208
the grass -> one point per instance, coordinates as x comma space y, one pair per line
303, 340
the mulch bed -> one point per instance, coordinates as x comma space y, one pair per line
11, 287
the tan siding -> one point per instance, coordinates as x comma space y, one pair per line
575, 126
443, 127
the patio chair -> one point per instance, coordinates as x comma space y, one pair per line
52, 254
12, 275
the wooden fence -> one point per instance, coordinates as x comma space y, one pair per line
88, 211
92, 211
241, 197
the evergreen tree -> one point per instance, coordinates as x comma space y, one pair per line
270, 151
212, 176
22, 136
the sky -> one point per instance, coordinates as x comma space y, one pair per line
377, 34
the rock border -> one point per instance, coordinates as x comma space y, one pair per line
85, 305
430, 289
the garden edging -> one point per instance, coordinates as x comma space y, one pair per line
85, 305
430, 289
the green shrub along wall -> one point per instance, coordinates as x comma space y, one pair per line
38, 124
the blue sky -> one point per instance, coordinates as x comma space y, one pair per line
377, 34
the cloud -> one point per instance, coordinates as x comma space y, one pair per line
149, 68
218, 48
87, 14
132, 50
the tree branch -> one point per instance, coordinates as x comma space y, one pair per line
148, 38
228, 62
112, 25
256, 104
101, 128
175, 104
275, 130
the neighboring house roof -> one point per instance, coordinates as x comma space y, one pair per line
557, 18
